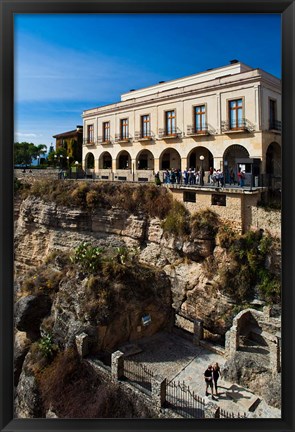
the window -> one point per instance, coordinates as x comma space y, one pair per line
219, 200
200, 117
170, 122
124, 129
90, 134
189, 197
236, 114
272, 113
145, 126
106, 131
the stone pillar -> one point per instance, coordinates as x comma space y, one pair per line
217, 163
231, 341
198, 331
212, 410
183, 164
114, 165
158, 391
117, 366
82, 344
275, 355
156, 165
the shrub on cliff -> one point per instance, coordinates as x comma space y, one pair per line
177, 220
147, 199
204, 223
44, 280
73, 390
247, 274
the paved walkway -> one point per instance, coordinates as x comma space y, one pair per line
172, 357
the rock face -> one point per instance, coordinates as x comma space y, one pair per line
45, 227
28, 403
21, 347
248, 369
29, 311
116, 321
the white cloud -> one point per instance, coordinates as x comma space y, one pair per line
26, 135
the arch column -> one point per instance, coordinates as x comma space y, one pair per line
183, 163
218, 161
114, 162
156, 164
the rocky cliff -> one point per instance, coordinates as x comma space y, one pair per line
43, 228
192, 266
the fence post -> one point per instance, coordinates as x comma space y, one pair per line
212, 410
158, 391
82, 344
117, 366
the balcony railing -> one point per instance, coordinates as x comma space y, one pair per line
191, 130
119, 138
242, 125
169, 133
275, 125
102, 140
88, 141
140, 136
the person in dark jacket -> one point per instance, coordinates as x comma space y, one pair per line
208, 374
216, 375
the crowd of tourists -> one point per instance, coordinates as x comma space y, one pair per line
192, 176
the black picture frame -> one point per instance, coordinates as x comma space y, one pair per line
8, 9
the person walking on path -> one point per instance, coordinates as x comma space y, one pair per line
216, 375
208, 374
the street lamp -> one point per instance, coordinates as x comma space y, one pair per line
55, 159
202, 172
60, 160
76, 163
68, 161
38, 159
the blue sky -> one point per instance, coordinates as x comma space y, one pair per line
65, 64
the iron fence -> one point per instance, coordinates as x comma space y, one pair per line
139, 374
181, 399
226, 414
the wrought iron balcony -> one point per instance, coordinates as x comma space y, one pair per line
191, 130
275, 125
169, 133
242, 125
122, 139
140, 136
103, 141
88, 142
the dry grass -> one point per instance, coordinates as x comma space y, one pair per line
148, 199
73, 390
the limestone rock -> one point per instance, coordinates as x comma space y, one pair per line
21, 347
28, 402
29, 311
251, 370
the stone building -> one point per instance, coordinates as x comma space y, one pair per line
71, 142
227, 117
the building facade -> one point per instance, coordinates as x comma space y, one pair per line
71, 142
225, 118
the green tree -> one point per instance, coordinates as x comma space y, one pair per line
24, 152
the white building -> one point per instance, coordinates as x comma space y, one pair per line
230, 115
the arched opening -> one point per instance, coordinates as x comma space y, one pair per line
105, 161
123, 160
273, 160
170, 159
230, 160
145, 160
194, 161
89, 161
